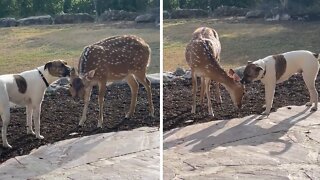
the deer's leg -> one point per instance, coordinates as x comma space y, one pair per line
207, 84
102, 92
194, 91
86, 104
217, 92
131, 80
147, 85
202, 89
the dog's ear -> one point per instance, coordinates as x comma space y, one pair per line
64, 62
48, 65
249, 62
259, 68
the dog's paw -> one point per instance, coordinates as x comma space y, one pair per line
313, 109
7, 146
265, 113
40, 136
31, 132
309, 104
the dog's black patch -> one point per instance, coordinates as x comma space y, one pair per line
280, 65
21, 83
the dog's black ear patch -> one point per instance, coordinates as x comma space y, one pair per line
48, 65
21, 83
316, 55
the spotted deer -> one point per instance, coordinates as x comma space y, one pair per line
111, 59
203, 55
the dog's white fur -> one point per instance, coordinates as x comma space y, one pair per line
297, 61
32, 99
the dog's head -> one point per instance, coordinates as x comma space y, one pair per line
58, 68
251, 73
80, 84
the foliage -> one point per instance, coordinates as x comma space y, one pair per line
24, 8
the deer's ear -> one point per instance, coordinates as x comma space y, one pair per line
233, 75
231, 72
89, 75
236, 77
73, 72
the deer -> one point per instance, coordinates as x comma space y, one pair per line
115, 58
202, 54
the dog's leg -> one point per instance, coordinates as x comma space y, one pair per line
269, 95
29, 111
36, 116
207, 81
5, 116
86, 104
309, 79
194, 91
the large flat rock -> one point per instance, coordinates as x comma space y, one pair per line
284, 145
120, 155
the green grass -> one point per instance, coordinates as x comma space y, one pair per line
241, 40
24, 48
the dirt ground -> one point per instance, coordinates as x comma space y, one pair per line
178, 99
60, 116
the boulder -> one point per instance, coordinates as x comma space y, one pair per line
188, 13
36, 20
166, 15
118, 15
73, 18
255, 14
145, 18
8, 22
230, 11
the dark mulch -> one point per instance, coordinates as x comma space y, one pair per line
60, 116
178, 99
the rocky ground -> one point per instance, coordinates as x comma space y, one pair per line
178, 99
60, 117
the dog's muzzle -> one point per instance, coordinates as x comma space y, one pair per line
66, 72
244, 81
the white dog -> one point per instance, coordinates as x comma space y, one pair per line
27, 89
278, 68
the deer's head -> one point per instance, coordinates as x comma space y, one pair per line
79, 84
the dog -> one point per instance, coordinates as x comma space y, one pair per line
278, 68
27, 89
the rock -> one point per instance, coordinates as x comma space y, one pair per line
166, 15
145, 18
230, 11
188, 13
285, 17
179, 72
255, 14
8, 22
246, 148
118, 15
36, 20
73, 18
